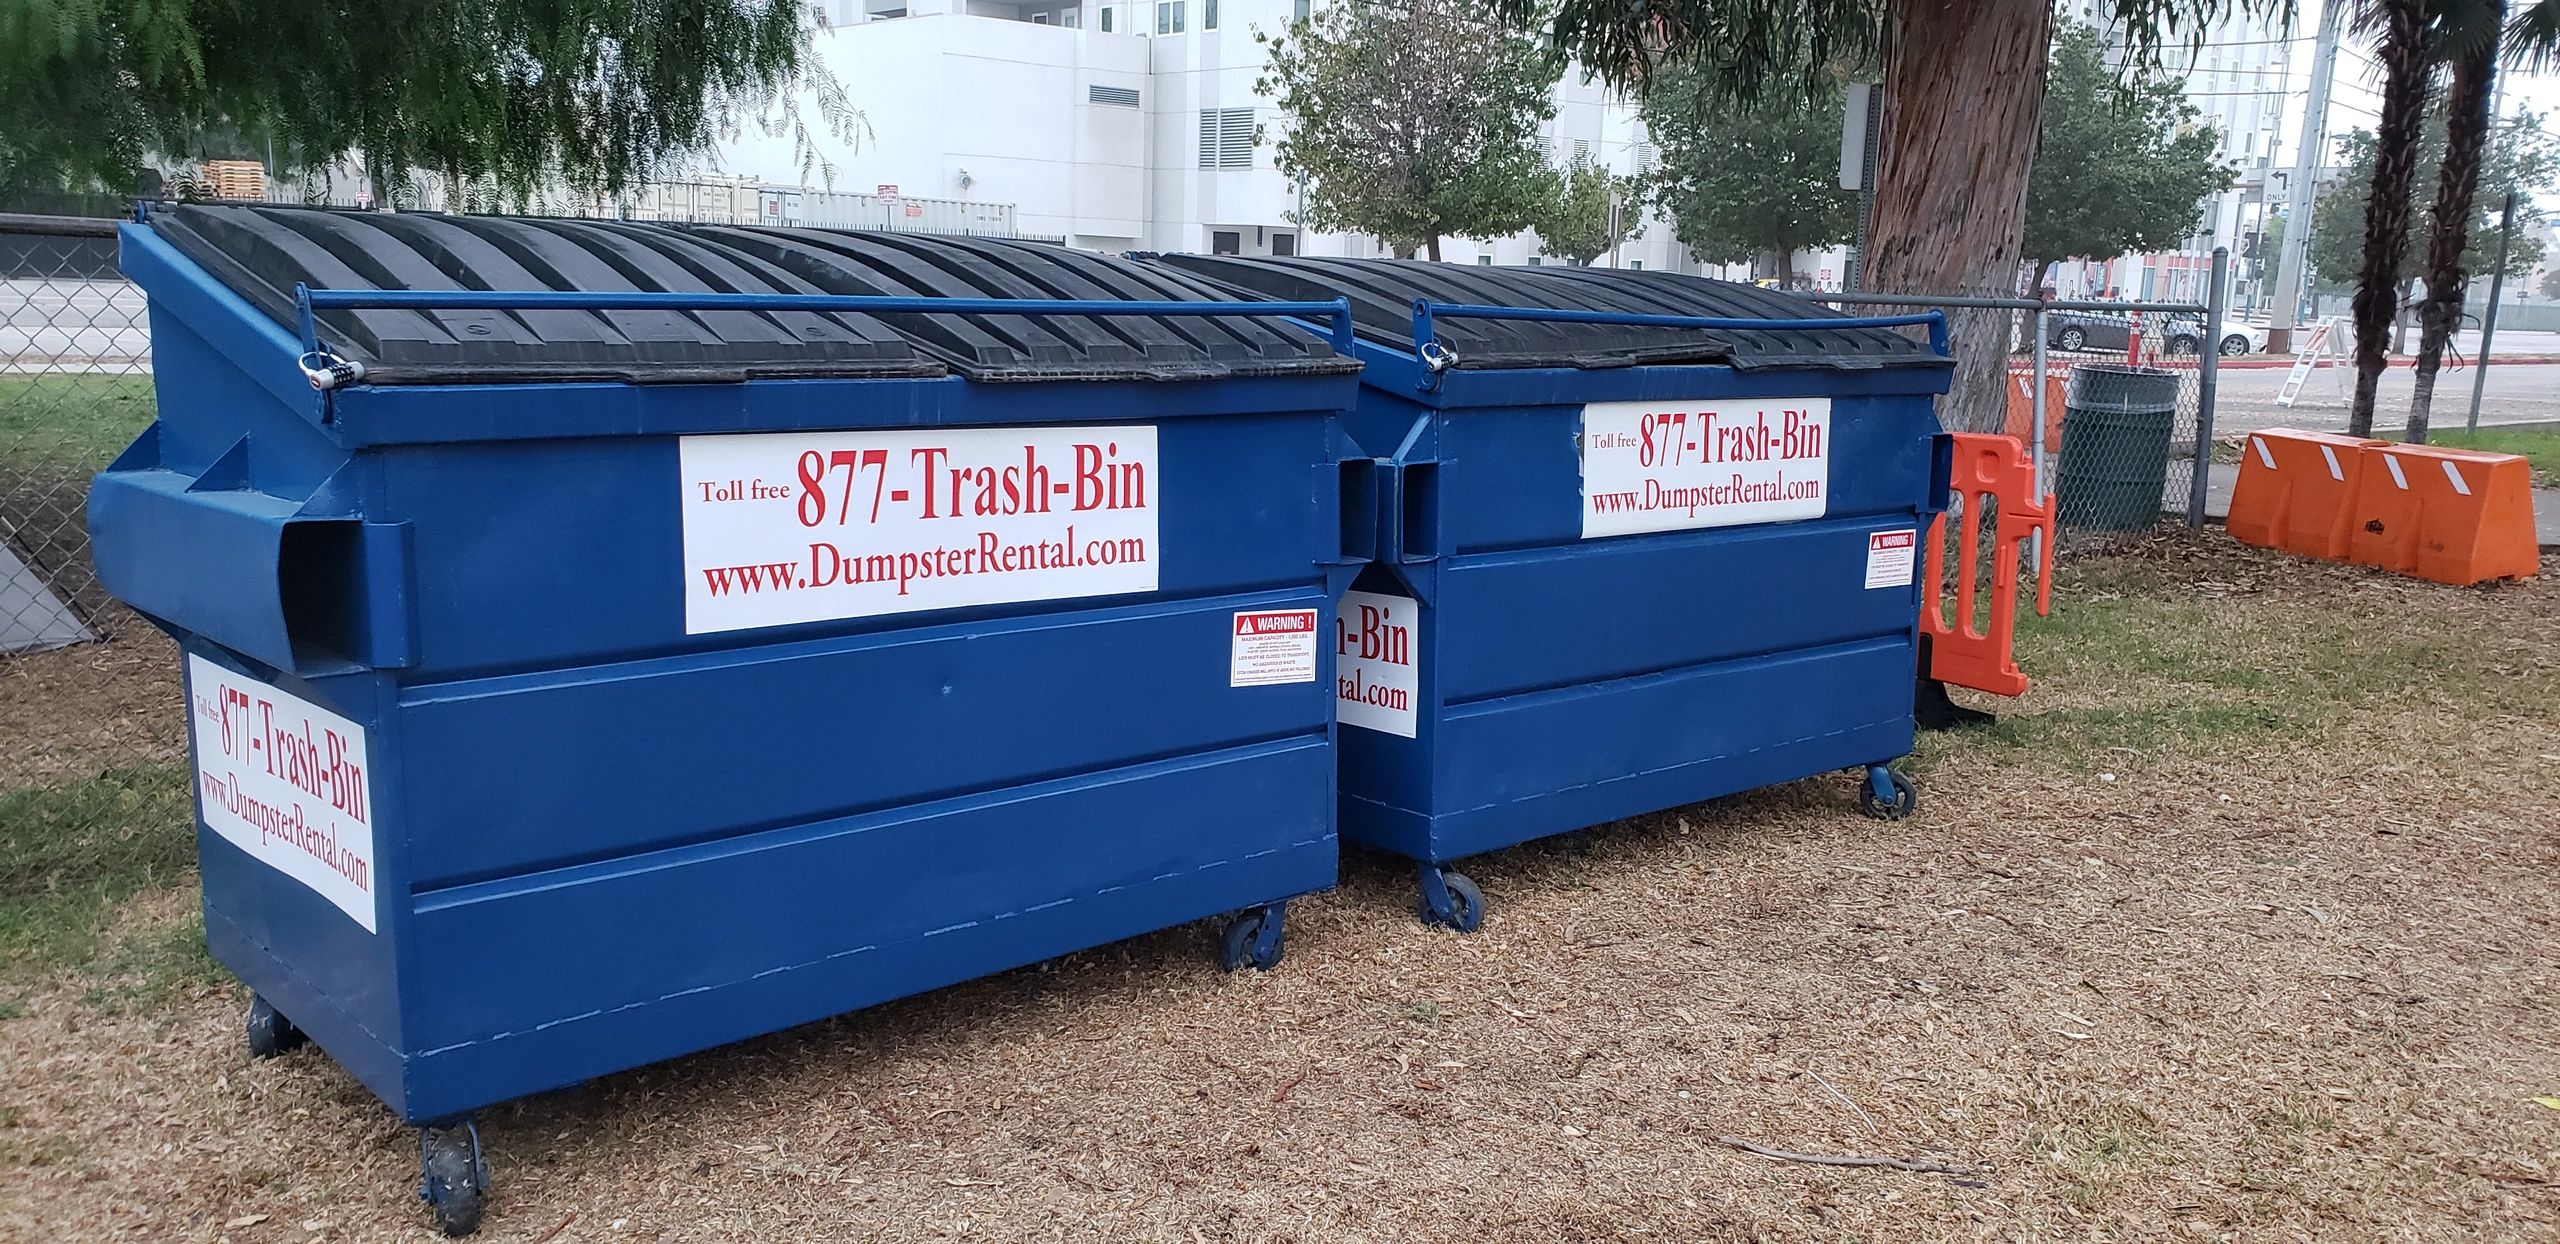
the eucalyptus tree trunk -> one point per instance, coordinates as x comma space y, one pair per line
2403, 57
1964, 91
2467, 123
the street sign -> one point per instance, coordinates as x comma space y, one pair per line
2323, 341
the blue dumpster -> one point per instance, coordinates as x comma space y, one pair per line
608, 641
1645, 539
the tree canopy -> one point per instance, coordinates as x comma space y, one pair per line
1742, 181
1963, 88
1576, 221
2519, 156
2121, 166
599, 94
1413, 120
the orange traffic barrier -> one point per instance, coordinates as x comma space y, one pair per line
2451, 515
2295, 491
1988, 469
2021, 422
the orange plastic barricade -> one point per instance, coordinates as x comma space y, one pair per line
1987, 468
2296, 490
2452, 515
2021, 422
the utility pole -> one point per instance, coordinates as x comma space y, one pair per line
2489, 322
2306, 169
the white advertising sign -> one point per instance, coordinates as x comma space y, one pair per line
286, 781
1890, 556
1671, 465
1273, 646
807, 527
1374, 648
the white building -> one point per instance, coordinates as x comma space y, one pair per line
1121, 125
2238, 78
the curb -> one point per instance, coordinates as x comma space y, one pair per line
2503, 360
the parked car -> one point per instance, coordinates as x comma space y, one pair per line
2087, 330
2107, 332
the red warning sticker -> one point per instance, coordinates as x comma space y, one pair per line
1889, 557
1273, 646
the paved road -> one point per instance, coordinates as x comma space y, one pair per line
2516, 393
72, 326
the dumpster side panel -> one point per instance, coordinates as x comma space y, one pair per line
207, 406
576, 545
1531, 765
1523, 618
1572, 681
620, 964
1386, 775
282, 937
645, 754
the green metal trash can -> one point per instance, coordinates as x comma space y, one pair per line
2115, 446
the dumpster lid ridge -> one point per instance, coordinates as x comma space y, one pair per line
1382, 292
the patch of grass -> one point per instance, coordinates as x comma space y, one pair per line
149, 966
2150, 656
11, 1010
1425, 1013
74, 851
71, 423
2539, 446
2091, 1154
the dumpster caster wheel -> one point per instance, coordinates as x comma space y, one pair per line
1254, 939
1887, 795
1450, 900
270, 1033
454, 1182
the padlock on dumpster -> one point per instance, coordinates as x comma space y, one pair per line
1645, 539
608, 641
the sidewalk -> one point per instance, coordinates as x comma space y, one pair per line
2217, 500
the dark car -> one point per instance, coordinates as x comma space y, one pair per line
2087, 330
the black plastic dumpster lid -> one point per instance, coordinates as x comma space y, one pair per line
261, 252
1382, 293
1045, 347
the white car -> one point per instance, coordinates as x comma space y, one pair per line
2237, 337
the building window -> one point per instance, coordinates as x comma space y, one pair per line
1226, 242
1169, 17
1226, 138
1208, 14
1484, 261
1635, 265
1300, 11
1284, 244
1112, 96
1071, 18
1533, 261
1108, 11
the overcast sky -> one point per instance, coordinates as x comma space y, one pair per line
2355, 99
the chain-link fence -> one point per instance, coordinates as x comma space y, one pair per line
2126, 394
75, 388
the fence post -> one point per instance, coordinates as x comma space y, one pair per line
2035, 447
2208, 374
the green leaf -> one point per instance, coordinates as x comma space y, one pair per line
1413, 121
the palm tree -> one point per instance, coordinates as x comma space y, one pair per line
2407, 73
2466, 36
